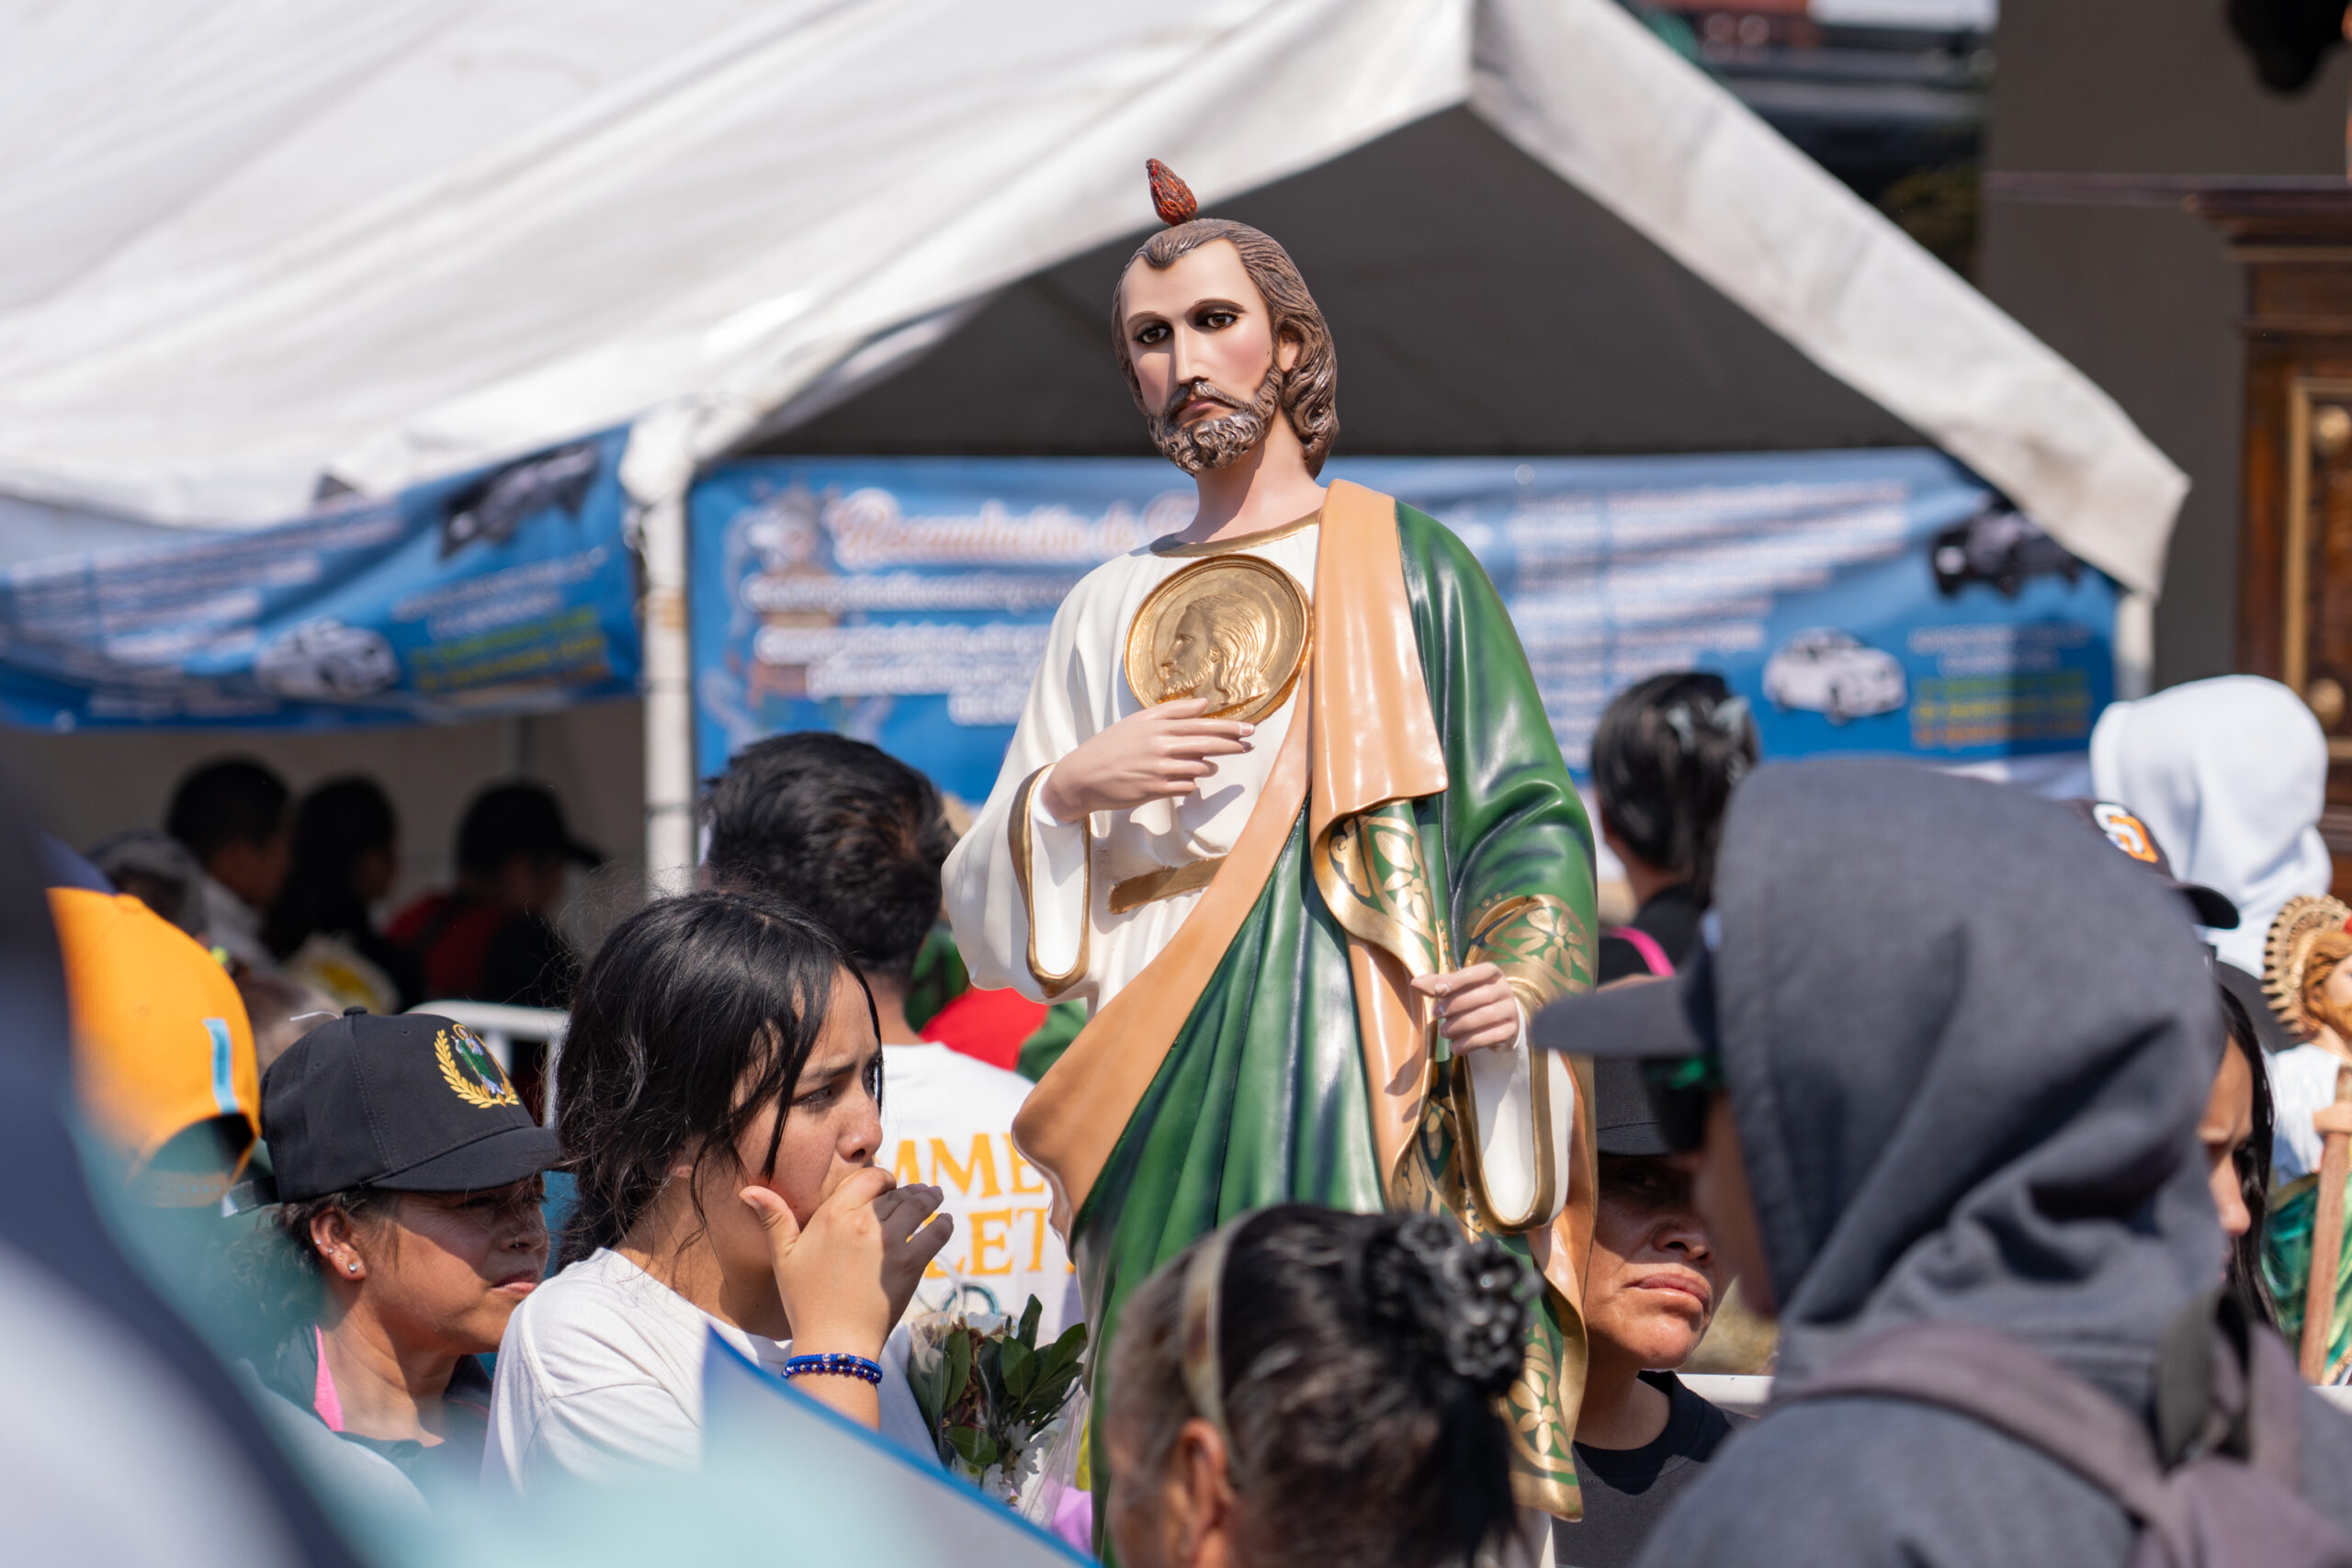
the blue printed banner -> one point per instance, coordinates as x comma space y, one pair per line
500, 591
1872, 602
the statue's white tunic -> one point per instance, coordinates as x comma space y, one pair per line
1082, 689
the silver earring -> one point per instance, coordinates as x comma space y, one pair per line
352, 1267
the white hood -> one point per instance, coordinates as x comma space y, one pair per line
2231, 774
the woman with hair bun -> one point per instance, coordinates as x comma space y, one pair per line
1305, 1385
1665, 756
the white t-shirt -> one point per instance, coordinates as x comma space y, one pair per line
600, 1377
947, 1122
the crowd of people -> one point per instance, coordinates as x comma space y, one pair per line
2009, 1115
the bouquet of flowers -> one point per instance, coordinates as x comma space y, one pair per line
995, 1401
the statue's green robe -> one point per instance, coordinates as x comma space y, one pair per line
2287, 1271
1419, 818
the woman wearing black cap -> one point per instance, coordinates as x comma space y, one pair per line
409, 1178
490, 938
1650, 1288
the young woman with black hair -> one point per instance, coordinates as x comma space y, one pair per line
1665, 756
719, 1097
1310, 1386
2236, 1131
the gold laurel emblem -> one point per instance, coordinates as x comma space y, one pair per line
485, 1086
1231, 630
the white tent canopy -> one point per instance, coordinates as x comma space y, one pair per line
249, 245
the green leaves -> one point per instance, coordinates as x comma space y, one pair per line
1029, 1316
1017, 1364
973, 1446
985, 1395
959, 1369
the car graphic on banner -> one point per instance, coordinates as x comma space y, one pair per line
1828, 671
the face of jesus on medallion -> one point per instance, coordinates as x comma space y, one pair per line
1202, 345
1192, 656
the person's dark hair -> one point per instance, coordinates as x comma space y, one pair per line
1310, 389
1665, 756
840, 829
695, 1014
2253, 1161
276, 1269
233, 801
1361, 1357
333, 826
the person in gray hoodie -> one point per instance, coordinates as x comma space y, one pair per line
1941, 1059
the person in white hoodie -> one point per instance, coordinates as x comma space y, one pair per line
2231, 775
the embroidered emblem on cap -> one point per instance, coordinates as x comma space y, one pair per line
2125, 832
470, 1071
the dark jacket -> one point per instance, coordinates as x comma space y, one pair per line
1670, 918
394, 1473
1967, 1046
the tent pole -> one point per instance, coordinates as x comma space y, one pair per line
2135, 643
669, 710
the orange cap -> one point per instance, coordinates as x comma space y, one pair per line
161, 1040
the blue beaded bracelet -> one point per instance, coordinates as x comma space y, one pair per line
832, 1365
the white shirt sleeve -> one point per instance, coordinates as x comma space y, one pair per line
987, 906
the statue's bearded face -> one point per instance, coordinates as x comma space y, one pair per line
1202, 345
1216, 440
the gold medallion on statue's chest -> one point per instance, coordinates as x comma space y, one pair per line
1232, 630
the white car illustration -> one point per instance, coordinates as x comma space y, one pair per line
324, 660
1828, 671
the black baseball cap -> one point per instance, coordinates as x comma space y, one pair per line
1623, 1120
2121, 827
508, 819
414, 1104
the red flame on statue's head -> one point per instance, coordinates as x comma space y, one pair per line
1170, 197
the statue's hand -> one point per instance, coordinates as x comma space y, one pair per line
1159, 753
1476, 1008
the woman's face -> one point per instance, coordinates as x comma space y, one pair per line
2227, 1124
443, 1271
834, 1127
1650, 1286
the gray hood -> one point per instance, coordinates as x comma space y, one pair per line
1968, 1046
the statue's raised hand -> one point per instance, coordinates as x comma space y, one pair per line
1475, 1007
1161, 752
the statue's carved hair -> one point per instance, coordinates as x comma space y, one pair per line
1310, 389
